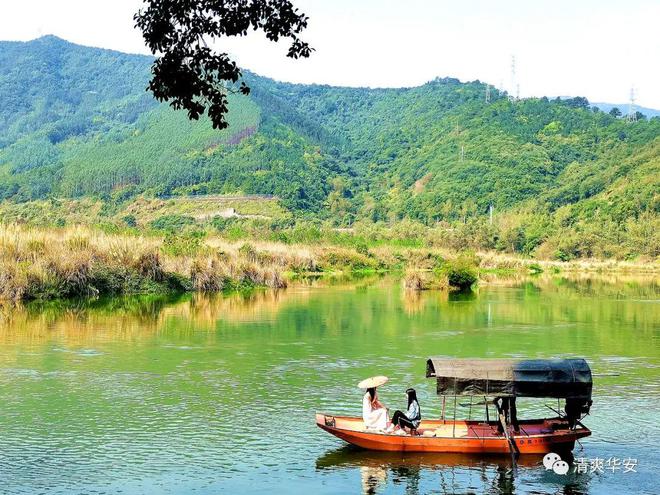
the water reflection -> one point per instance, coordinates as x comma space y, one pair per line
444, 473
97, 393
373, 478
149, 312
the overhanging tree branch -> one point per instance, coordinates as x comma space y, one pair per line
187, 73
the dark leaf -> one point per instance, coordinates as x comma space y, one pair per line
188, 73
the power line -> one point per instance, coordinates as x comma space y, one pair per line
513, 79
632, 113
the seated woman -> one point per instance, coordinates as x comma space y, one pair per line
374, 413
412, 417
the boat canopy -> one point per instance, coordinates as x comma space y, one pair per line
561, 378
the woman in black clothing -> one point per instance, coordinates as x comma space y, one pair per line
412, 417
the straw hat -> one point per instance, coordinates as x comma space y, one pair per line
373, 382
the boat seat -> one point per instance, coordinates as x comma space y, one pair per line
449, 431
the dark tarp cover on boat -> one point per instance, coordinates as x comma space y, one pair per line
561, 378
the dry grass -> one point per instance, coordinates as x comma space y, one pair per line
71, 262
492, 260
413, 280
79, 261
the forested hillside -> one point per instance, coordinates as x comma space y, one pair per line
77, 122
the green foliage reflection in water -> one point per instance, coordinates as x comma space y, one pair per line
144, 374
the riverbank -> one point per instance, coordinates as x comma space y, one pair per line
83, 262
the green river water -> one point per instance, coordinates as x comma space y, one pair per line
217, 394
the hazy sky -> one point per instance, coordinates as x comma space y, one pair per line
593, 48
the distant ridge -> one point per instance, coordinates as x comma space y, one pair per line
648, 112
52, 40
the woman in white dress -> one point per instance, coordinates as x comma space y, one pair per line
374, 413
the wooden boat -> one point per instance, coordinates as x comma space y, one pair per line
568, 378
448, 436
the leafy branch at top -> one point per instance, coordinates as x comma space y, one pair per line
187, 72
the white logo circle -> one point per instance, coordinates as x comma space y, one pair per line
549, 459
560, 467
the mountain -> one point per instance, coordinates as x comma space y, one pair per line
648, 112
623, 107
77, 122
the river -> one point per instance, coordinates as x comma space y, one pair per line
217, 394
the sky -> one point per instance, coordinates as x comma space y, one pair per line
594, 48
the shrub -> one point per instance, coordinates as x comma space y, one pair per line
181, 245
207, 275
362, 248
343, 258
148, 265
172, 223
413, 281
417, 280
130, 221
274, 279
461, 273
13, 282
248, 252
535, 268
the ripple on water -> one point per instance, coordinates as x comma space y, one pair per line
79, 352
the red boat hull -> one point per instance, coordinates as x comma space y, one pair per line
467, 437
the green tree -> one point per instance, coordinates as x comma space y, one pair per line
639, 115
338, 198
